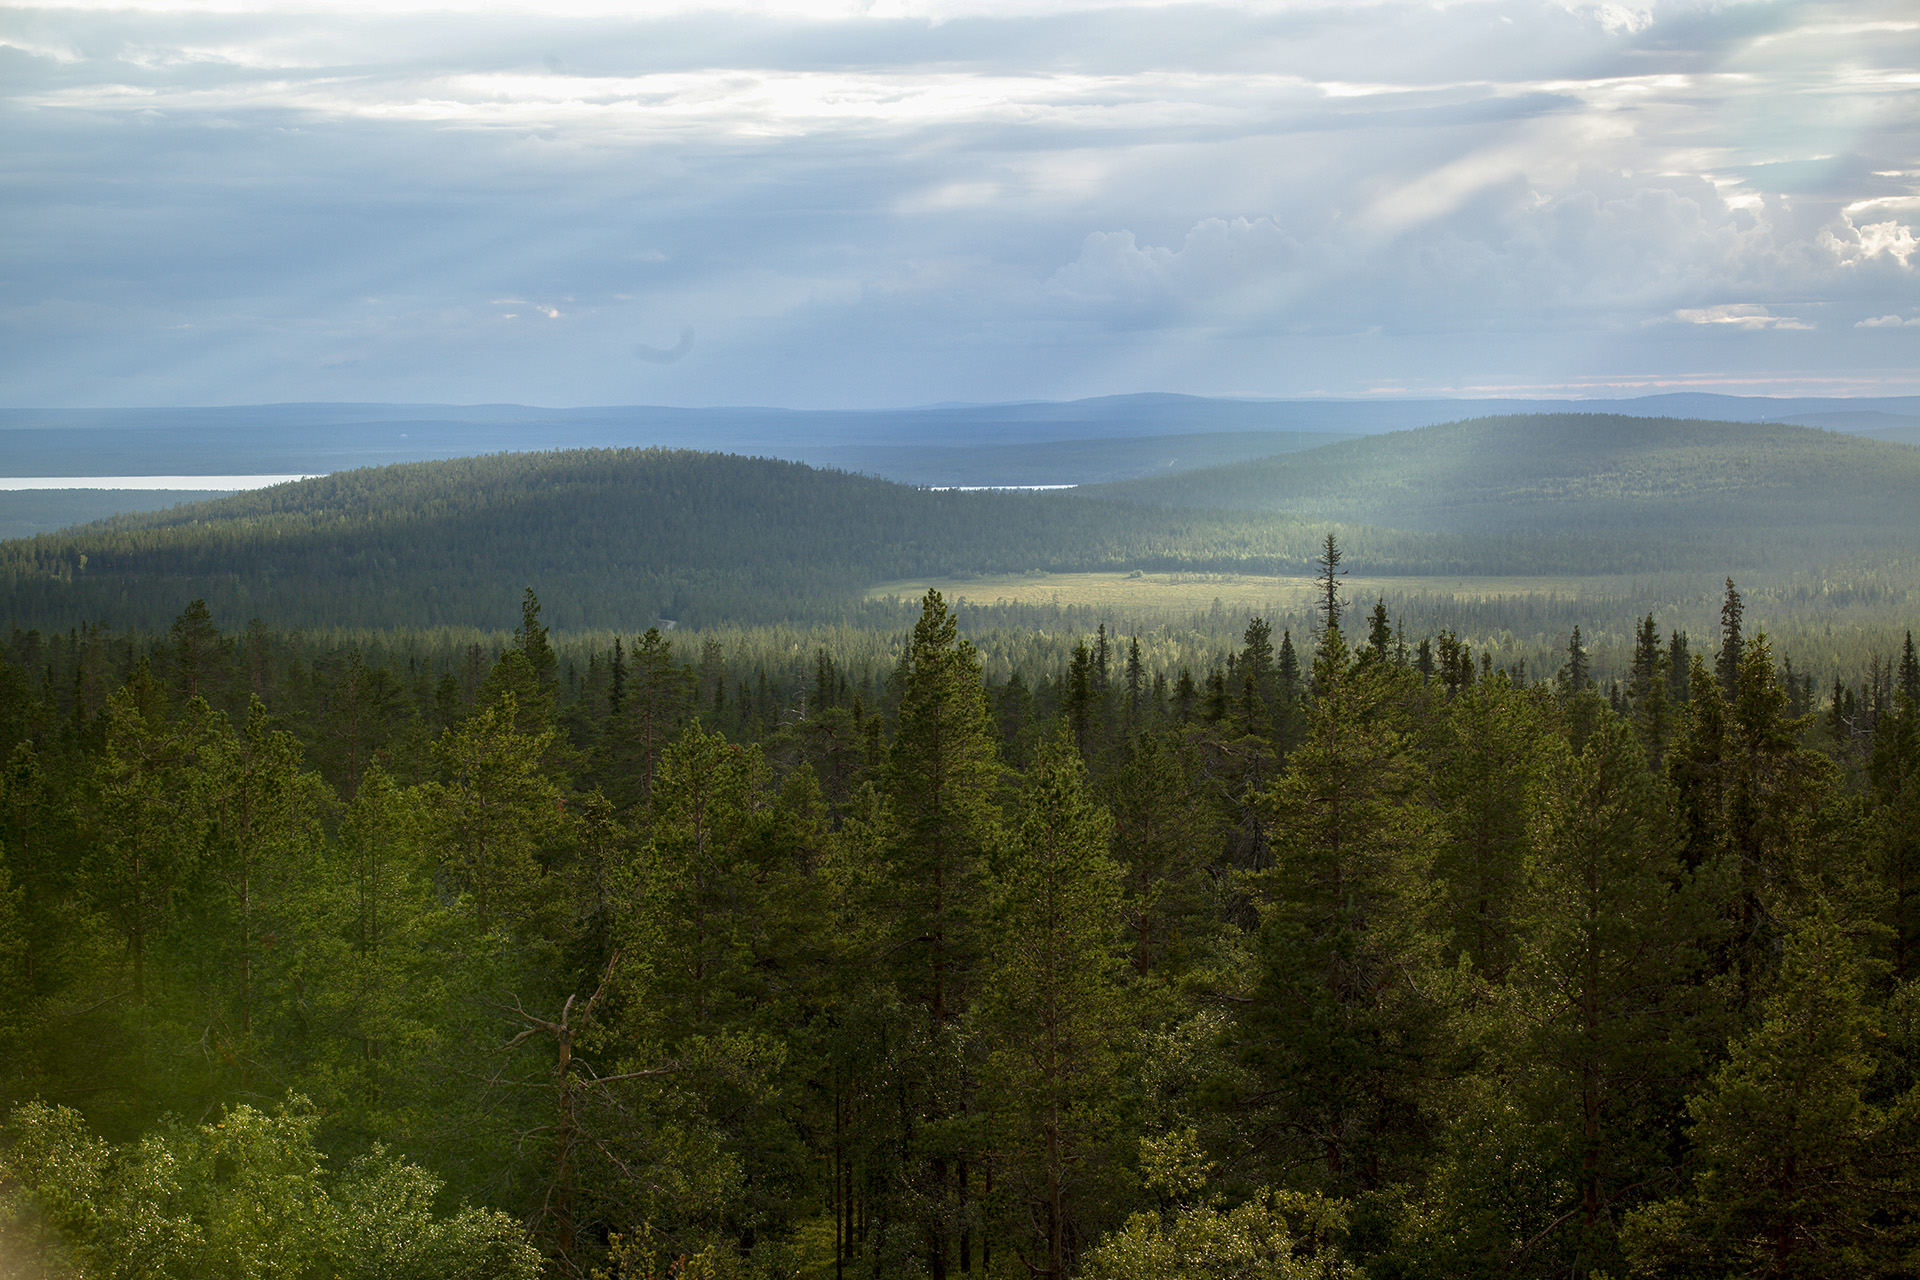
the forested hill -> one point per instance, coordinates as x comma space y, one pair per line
1575, 472
608, 537
618, 538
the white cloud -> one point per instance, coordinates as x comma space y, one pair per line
1890, 238
1741, 315
1620, 19
1853, 245
1887, 322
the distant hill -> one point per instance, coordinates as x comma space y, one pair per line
1580, 473
609, 538
929, 444
1874, 423
1068, 462
618, 538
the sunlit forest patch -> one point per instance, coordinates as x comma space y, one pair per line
1185, 593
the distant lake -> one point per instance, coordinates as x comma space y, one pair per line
223, 484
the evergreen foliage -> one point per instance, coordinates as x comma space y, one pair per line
900, 956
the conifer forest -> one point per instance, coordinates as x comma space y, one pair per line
959, 640
1351, 953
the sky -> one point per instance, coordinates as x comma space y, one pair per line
826, 204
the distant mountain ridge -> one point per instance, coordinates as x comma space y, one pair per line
273, 439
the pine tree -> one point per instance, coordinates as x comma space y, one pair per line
366, 952
1575, 676
1732, 644
1161, 840
1051, 1002
1338, 1029
1679, 669
1330, 575
496, 818
1257, 677
1775, 789
1697, 769
1893, 773
1185, 696
1797, 1173
658, 701
262, 833
1494, 748
1081, 693
1379, 631
617, 692
941, 775
145, 819
1647, 695
696, 894
198, 652
1615, 937
1136, 682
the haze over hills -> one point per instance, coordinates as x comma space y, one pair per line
293, 438
1560, 472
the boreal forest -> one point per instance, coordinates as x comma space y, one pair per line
650, 864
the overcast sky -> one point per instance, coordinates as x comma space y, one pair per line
824, 204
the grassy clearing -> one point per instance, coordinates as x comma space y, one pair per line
1829, 625
1187, 593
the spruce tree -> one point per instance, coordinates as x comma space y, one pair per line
1647, 695
1163, 835
1136, 681
1330, 575
1379, 631
1576, 675
1612, 1013
1186, 696
617, 692
1257, 678
1893, 773
1796, 1172
1081, 694
1732, 643
941, 775
1679, 669
1494, 746
1337, 1035
1051, 1002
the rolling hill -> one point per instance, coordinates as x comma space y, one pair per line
608, 537
618, 538
1579, 473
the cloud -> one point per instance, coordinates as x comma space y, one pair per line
1742, 315
666, 355
941, 199
1887, 322
1221, 266
1853, 245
